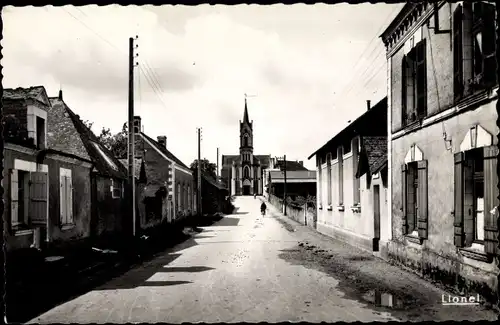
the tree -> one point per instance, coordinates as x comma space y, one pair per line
207, 168
116, 143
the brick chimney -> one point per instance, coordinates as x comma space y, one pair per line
60, 95
301, 162
162, 140
139, 143
368, 106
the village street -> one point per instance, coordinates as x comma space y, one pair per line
249, 268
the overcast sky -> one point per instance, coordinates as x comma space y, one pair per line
310, 69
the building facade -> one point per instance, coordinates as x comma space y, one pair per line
442, 121
352, 182
168, 188
244, 173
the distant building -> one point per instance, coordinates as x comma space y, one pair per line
299, 183
352, 181
244, 173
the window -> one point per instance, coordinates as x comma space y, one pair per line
329, 177
40, 132
178, 195
341, 176
246, 172
320, 181
347, 147
116, 189
475, 197
474, 62
355, 163
414, 84
189, 197
414, 198
245, 140
65, 196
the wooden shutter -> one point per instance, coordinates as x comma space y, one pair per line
489, 45
404, 95
62, 198
69, 199
410, 198
468, 201
404, 206
457, 53
38, 198
421, 80
14, 196
423, 195
329, 177
458, 213
490, 199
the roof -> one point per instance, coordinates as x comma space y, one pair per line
137, 165
372, 122
104, 161
290, 165
373, 155
229, 159
405, 10
296, 174
165, 151
213, 182
23, 93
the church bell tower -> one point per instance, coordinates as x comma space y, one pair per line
246, 152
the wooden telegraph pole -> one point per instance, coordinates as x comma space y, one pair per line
284, 187
131, 130
200, 213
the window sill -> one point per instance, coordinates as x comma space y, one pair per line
68, 226
356, 208
413, 238
330, 208
23, 232
341, 208
475, 252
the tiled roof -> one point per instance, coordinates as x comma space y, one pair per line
23, 93
373, 155
212, 181
137, 165
97, 152
296, 174
165, 151
290, 165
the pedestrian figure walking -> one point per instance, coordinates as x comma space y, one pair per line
263, 208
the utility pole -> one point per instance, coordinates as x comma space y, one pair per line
131, 130
217, 163
199, 173
284, 187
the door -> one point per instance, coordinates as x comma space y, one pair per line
376, 217
246, 189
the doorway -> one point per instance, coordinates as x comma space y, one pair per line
376, 217
246, 189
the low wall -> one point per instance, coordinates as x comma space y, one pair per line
295, 212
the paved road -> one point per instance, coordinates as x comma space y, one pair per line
240, 269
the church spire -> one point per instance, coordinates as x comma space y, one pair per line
245, 114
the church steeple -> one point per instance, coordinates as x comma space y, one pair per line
245, 114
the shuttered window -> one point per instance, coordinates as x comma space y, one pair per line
38, 198
475, 197
341, 176
355, 162
116, 189
329, 177
414, 200
422, 189
421, 79
458, 86
14, 197
66, 196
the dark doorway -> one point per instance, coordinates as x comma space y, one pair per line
246, 189
376, 217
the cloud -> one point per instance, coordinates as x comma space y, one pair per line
196, 64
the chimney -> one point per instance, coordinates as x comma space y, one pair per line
137, 124
368, 105
60, 95
301, 162
162, 140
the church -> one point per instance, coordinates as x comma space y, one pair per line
243, 173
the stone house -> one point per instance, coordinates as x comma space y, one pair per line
214, 196
167, 188
352, 181
105, 209
442, 86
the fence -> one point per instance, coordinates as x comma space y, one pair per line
302, 210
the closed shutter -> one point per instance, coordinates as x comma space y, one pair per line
489, 45
423, 199
458, 213
404, 94
14, 196
468, 201
421, 79
457, 53
404, 207
69, 201
490, 199
62, 198
410, 198
38, 198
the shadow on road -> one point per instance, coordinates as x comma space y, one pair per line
227, 221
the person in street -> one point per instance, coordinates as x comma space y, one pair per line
255, 196
263, 208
